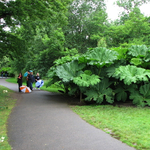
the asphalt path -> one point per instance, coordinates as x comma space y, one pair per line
43, 120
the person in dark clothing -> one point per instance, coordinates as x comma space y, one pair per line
29, 80
19, 81
37, 77
6, 74
2, 73
32, 79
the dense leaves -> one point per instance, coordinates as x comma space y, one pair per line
101, 56
132, 74
100, 92
141, 97
85, 80
103, 77
69, 70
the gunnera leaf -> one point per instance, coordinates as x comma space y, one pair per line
69, 70
141, 97
86, 80
138, 50
101, 56
131, 74
100, 91
136, 61
138, 99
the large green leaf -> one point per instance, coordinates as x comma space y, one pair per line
132, 74
138, 50
100, 92
100, 56
121, 94
86, 80
145, 90
138, 99
122, 90
111, 69
51, 72
141, 97
69, 70
121, 52
136, 61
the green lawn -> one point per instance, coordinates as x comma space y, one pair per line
131, 125
6, 105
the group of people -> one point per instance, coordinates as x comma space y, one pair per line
4, 73
30, 78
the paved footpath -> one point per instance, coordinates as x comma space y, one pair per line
43, 121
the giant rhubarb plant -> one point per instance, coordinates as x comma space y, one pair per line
132, 74
140, 55
100, 92
69, 70
138, 50
86, 79
141, 97
99, 56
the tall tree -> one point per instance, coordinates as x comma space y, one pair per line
135, 30
86, 18
129, 5
24, 12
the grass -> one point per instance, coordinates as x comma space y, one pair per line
131, 125
6, 105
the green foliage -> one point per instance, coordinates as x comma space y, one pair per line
110, 71
136, 61
24, 13
132, 28
122, 52
129, 5
132, 74
102, 43
101, 56
138, 50
100, 92
141, 97
122, 91
140, 55
121, 94
100, 76
85, 80
64, 59
86, 24
6, 105
69, 70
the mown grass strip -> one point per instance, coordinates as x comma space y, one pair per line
6, 105
131, 125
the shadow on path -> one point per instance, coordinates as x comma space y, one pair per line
43, 121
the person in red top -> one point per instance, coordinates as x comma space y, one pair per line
19, 81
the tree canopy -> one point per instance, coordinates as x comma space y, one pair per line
18, 13
41, 32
